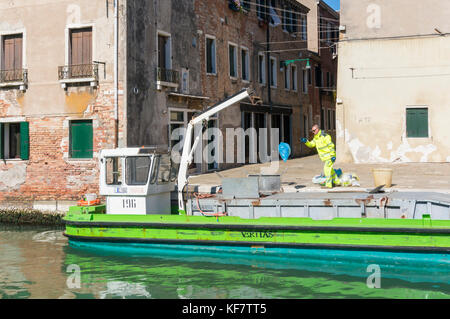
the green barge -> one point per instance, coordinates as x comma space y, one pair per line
265, 232
250, 213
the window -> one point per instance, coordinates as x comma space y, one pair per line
305, 81
304, 28
113, 170
210, 55
417, 122
318, 76
261, 9
164, 51
14, 140
80, 58
137, 168
232, 57
273, 71
294, 77
81, 139
287, 19
246, 4
245, 65
287, 78
287, 129
294, 21
178, 119
261, 69
11, 64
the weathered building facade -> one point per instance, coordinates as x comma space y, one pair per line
69, 87
393, 99
57, 98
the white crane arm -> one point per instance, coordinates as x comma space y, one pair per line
186, 157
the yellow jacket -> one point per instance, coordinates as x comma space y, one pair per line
325, 146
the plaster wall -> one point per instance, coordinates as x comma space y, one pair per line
377, 81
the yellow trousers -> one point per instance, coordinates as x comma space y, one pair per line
330, 174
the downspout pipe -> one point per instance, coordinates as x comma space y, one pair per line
116, 72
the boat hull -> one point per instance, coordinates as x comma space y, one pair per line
338, 233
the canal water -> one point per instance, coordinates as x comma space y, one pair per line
40, 263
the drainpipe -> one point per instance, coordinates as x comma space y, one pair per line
116, 72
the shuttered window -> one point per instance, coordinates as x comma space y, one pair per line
417, 122
12, 52
81, 46
14, 140
81, 139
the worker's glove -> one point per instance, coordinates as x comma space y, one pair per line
303, 140
333, 159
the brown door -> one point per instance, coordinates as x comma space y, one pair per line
81, 52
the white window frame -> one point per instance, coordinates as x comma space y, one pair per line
247, 64
262, 69
214, 57
169, 47
67, 30
21, 31
274, 72
235, 51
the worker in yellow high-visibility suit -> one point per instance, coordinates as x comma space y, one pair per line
327, 153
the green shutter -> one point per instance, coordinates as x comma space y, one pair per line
24, 141
1, 141
81, 135
417, 122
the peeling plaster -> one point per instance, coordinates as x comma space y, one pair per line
366, 154
13, 178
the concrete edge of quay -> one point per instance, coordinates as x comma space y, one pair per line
19, 216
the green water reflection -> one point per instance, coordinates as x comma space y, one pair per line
39, 263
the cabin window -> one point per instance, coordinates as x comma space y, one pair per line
164, 169
113, 171
154, 175
137, 168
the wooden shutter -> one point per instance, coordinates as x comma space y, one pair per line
24, 141
81, 46
12, 52
417, 122
81, 139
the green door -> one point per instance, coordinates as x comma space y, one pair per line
81, 139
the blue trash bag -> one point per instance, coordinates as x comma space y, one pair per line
285, 151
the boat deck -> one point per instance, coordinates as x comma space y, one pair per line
395, 205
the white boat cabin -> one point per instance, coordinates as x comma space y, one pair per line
137, 180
